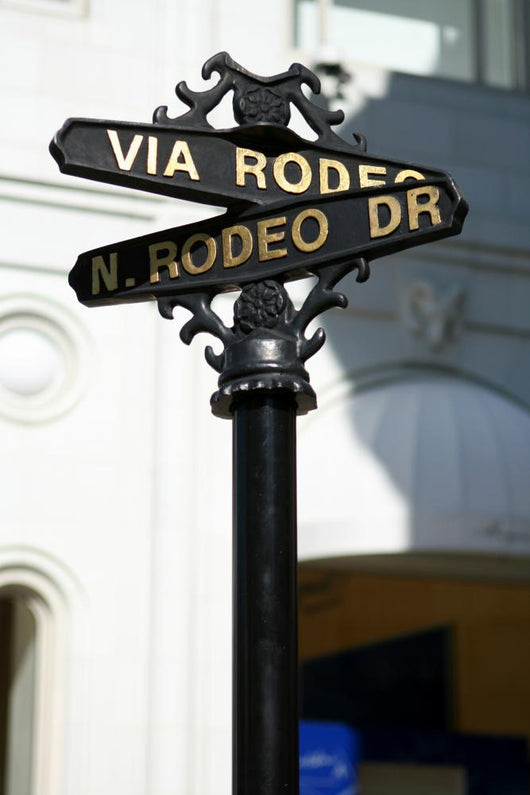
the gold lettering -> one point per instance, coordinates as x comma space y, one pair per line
408, 173
125, 162
265, 237
416, 208
374, 202
229, 260
365, 178
180, 159
152, 153
256, 169
211, 251
100, 272
279, 173
325, 166
168, 250
323, 229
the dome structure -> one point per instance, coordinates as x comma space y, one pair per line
420, 464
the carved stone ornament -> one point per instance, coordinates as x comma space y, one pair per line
294, 208
433, 314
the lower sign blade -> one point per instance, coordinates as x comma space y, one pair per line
285, 240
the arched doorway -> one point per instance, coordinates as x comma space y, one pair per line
18, 649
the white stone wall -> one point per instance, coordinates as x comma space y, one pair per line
105, 475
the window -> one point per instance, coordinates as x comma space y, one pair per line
468, 40
428, 670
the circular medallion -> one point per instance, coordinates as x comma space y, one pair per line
43, 357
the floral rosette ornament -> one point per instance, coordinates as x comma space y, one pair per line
263, 105
260, 305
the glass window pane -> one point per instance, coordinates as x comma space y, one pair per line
306, 24
435, 658
423, 37
499, 43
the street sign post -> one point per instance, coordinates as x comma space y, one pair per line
294, 208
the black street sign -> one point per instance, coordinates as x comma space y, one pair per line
247, 165
287, 240
294, 205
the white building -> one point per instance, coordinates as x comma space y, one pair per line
115, 539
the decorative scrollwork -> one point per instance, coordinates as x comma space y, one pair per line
266, 348
258, 100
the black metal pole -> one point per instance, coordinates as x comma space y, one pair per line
265, 699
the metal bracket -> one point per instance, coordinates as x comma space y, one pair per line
266, 348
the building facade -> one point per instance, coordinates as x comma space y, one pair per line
414, 504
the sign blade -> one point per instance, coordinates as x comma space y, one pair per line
236, 168
287, 240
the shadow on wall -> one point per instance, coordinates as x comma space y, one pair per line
429, 427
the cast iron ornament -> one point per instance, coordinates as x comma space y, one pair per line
261, 100
266, 348
339, 206
255, 356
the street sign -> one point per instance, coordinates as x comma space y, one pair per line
294, 206
246, 165
287, 240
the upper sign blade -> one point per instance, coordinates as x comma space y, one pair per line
237, 168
